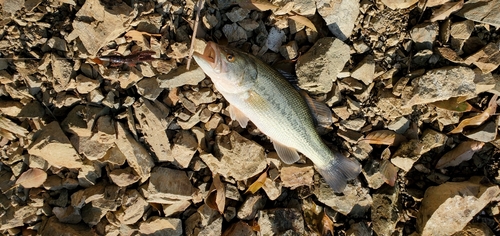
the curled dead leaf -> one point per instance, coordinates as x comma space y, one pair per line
312, 215
303, 20
326, 226
32, 178
259, 5
216, 198
255, 186
135, 35
453, 104
384, 137
389, 171
463, 152
479, 119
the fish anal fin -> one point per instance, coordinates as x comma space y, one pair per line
287, 154
319, 110
238, 116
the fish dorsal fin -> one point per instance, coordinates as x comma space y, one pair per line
320, 111
290, 77
238, 116
287, 154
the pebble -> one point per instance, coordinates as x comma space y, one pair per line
237, 14
234, 33
184, 147
251, 206
149, 88
424, 35
355, 200
275, 38
365, 70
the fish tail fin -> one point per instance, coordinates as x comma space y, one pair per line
338, 170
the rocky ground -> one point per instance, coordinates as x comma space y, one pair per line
147, 147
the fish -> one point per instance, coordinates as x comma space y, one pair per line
258, 93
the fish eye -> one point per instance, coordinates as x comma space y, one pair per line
230, 57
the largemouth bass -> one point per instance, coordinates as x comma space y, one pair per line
257, 92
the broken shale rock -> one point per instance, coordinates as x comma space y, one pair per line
281, 221
152, 118
96, 24
317, 69
236, 156
448, 208
169, 186
137, 156
51, 144
340, 16
442, 84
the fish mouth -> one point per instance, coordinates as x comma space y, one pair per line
210, 56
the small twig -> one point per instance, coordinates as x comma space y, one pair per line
195, 28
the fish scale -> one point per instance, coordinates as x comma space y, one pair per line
267, 99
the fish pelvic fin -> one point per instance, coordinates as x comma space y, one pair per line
237, 115
287, 154
338, 171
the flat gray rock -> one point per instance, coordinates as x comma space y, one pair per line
318, 68
340, 16
442, 84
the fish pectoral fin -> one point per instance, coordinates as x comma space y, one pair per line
237, 115
287, 154
319, 110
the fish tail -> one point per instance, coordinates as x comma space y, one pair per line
338, 170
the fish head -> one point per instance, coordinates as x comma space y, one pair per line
231, 70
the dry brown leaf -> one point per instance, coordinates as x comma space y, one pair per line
303, 20
134, 34
384, 137
389, 171
463, 152
479, 119
450, 55
453, 104
216, 198
326, 226
32, 178
255, 186
259, 5
312, 214
445, 11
